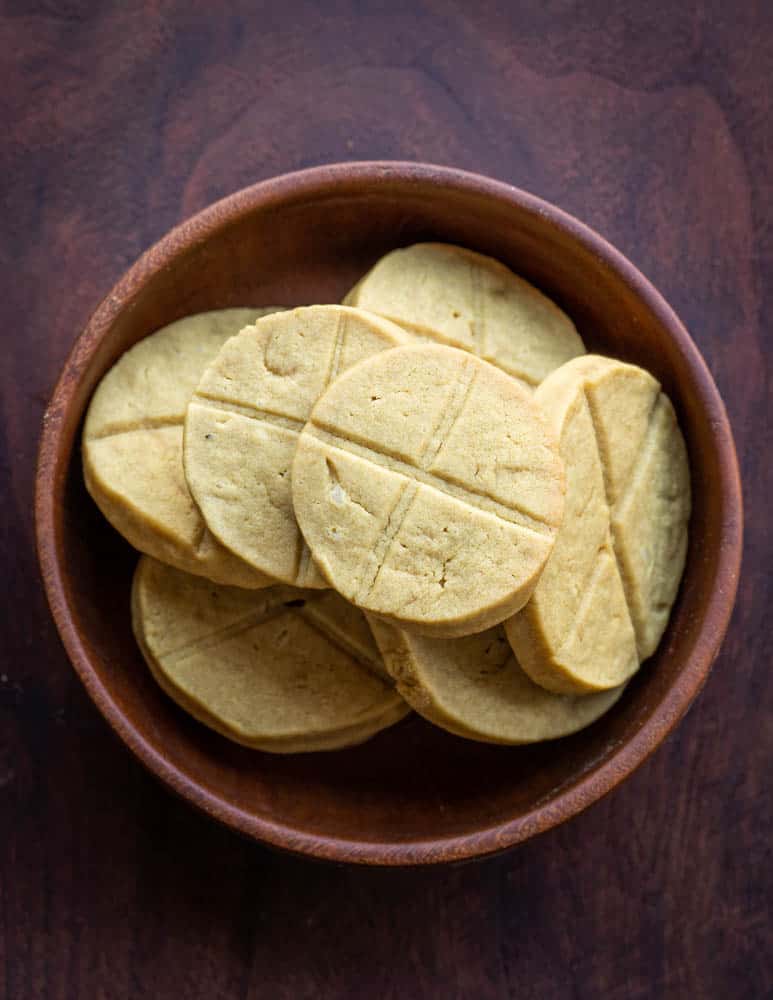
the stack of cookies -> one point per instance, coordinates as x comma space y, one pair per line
429, 497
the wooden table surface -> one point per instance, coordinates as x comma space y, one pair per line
652, 121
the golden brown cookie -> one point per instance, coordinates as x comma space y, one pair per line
473, 687
605, 595
243, 424
457, 297
429, 489
132, 446
265, 668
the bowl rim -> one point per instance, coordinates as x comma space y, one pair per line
327, 181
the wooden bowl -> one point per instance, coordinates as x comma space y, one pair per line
413, 794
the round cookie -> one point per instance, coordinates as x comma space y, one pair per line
261, 667
429, 489
243, 422
473, 687
606, 593
461, 298
132, 446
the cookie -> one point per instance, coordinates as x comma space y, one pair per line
473, 687
606, 593
243, 422
132, 446
429, 489
261, 667
457, 297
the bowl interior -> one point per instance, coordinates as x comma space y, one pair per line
414, 788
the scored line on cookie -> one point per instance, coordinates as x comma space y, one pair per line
478, 329
250, 412
613, 530
338, 350
641, 449
645, 452
588, 590
449, 416
213, 639
384, 460
387, 538
318, 622
119, 427
591, 576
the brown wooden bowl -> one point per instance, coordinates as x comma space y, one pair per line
414, 794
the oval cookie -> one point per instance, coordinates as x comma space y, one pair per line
604, 598
429, 489
262, 667
473, 687
243, 423
132, 446
464, 299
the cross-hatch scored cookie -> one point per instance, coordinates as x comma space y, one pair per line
655, 492
243, 422
605, 594
258, 667
132, 445
419, 471
464, 299
327, 612
474, 687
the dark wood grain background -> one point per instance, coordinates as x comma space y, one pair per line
652, 121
